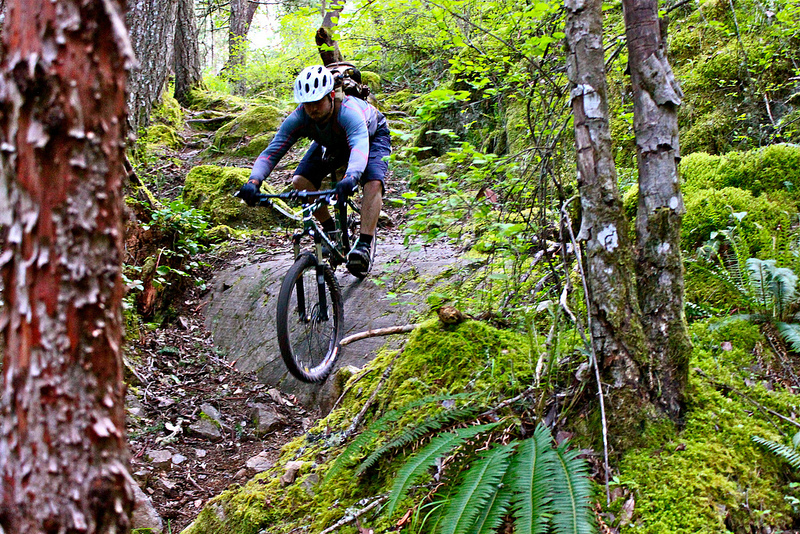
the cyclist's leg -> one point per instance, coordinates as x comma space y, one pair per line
373, 181
309, 175
371, 205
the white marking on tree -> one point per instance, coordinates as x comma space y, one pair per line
608, 237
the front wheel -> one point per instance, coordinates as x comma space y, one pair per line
308, 331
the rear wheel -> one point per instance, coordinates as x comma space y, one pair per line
308, 331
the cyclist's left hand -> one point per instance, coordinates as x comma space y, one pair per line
249, 192
346, 187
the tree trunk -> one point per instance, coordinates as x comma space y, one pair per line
242, 12
152, 27
187, 53
328, 48
617, 336
658, 222
63, 458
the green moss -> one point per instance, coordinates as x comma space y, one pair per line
162, 135
211, 188
168, 111
372, 80
709, 210
254, 125
203, 100
516, 124
710, 133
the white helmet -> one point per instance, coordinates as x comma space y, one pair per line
312, 84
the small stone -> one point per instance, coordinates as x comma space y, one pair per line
211, 412
160, 459
178, 459
266, 419
241, 474
259, 462
309, 482
201, 453
275, 395
206, 429
292, 468
170, 485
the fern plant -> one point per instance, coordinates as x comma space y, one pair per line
790, 454
544, 488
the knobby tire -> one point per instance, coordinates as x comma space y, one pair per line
309, 347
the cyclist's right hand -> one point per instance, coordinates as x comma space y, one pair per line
249, 192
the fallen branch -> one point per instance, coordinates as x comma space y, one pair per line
378, 332
350, 518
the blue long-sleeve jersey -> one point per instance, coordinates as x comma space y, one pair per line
349, 131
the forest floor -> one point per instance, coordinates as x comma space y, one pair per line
190, 412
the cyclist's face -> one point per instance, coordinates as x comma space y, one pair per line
321, 110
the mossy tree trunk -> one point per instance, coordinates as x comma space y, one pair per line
656, 97
63, 456
152, 31
617, 334
328, 47
186, 62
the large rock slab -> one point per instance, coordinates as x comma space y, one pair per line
243, 299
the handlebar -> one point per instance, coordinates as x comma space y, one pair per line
302, 196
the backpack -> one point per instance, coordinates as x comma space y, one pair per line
347, 81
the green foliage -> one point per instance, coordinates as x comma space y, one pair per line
790, 454
249, 133
709, 211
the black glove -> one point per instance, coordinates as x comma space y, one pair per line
249, 192
346, 187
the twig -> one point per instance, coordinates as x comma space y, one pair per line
364, 373
357, 420
576, 248
350, 518
763, 409
506, 402
378, 332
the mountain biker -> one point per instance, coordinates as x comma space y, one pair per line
350, 129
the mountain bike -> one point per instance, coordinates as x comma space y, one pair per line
310, 310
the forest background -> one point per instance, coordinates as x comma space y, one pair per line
487, 101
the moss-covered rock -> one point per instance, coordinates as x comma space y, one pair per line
371, 80
168, 111
256, 125
202, 99
709, 210
710, 133
763, 170
211, 188
162, 135
470, 357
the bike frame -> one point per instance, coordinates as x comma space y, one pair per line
311, 202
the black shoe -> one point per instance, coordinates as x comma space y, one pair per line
359, 260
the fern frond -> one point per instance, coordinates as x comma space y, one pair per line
479, 484
435, 422
533, 465
761, 272
369, 434
419, 463
790, 332
784, 290
571, 494
491, 517
791, 455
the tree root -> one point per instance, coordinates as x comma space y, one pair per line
378, 332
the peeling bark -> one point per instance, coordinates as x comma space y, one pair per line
63, 457
186, 63
617, 334
152, 31
657, 96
